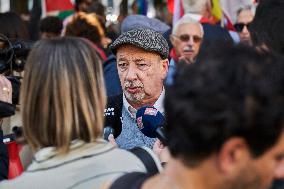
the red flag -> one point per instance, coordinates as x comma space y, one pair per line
176, 8
58, 5
227, 22
171, 6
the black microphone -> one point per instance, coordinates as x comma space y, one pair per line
151, 123
22, 48
107, 131
113, 124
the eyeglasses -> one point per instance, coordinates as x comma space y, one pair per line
186, 38
240, 26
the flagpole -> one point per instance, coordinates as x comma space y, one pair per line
176, 15
43, 8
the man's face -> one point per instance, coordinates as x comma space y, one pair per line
259, 173
244, 19
187, 41
141, 74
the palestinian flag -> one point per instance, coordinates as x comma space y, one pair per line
60, 8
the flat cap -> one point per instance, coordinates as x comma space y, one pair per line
146, 39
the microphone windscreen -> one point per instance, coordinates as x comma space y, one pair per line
148, 119
113, 119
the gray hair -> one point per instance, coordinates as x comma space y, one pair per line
187, 19
252, 8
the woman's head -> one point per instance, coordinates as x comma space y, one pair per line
63, 94
87, 26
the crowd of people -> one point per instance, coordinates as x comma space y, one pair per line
219, 91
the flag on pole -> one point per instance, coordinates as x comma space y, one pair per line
216, 10
175, 7
220, 16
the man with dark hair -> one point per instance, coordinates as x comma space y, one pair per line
225, 123
50, 27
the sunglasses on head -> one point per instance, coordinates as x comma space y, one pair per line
186, 38
240, 26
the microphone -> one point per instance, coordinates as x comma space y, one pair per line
107, 131
151, 123
113, 122
22, 48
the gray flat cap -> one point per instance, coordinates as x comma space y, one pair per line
147, 39
135, 21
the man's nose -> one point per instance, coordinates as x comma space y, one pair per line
131, 73
190, 41
245, 30
279, 172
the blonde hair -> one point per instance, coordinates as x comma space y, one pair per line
63, 94
87, 26
92, 19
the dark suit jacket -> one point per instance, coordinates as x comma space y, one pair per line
214, 33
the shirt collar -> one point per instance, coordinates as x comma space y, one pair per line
158, 105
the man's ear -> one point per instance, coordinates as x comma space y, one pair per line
172, 39
233, 155
165, 67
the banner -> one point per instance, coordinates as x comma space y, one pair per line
58, 5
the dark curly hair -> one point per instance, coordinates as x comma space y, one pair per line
51, 24
232, 91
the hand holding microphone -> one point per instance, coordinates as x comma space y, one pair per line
151, 123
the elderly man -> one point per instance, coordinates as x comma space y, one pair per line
131, 22
244, 18
219, 113
186, 38
142, 66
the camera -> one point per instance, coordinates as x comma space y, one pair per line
13, 55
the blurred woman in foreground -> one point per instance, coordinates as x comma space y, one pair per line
63, 100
